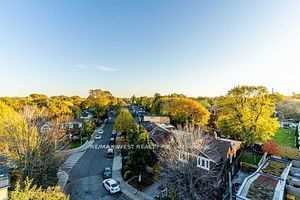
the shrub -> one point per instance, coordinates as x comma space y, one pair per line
290, 153
128, 175
156, 171
271, 148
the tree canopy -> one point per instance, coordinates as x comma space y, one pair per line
247, 113
33, 152
100, 100
30, 191
182, 110
289, 108
124, 121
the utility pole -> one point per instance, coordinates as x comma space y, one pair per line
230, 186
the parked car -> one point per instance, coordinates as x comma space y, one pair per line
111, 186
110, 153
114, 134
107, 172
112, 141
100, 131
97, 137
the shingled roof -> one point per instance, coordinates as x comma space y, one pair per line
160, 135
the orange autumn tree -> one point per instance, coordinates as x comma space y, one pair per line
271, 148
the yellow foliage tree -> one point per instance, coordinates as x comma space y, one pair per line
248, 113
32, 192
182, 110
124, 121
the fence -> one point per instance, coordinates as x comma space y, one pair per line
297, 136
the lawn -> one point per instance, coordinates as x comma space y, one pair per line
285, 137
75, 144
250, 158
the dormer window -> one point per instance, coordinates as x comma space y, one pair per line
203, 163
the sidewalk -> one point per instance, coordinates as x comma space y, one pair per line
127, 189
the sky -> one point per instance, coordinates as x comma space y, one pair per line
193, 47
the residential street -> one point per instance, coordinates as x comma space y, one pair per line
85, 178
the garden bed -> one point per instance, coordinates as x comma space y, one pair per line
147, 179
262, 188
274, 168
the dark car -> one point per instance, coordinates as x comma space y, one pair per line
112, 141
107, 172
110, 153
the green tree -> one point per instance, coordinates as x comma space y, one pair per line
139, 154
145, 102
124, 121
88, 127
247, 114
31, 192
99, 100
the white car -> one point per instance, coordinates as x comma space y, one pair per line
98, 137
100, 131
111, 186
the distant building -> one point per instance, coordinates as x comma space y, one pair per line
47, 127
74, 124
162, 121
156, 119
87, 114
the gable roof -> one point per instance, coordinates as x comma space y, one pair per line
218, 150
160, 135
149, 126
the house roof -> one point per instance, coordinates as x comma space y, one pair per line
77, 120
235, 144
149, 126
160, 135
218, 150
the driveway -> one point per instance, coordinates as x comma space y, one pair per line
85, 178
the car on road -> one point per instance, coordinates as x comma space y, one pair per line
112, 141
100, 131
107, 172
110, 153
114, 134
98, 137
111, 186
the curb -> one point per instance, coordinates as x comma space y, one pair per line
127, 189
64, 176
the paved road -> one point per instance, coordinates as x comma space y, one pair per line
85, 178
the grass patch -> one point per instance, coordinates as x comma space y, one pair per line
251, 158
285, 137
75, 144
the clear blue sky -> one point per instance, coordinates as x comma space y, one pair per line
145, 46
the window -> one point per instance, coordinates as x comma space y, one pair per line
203, 163
183, 156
